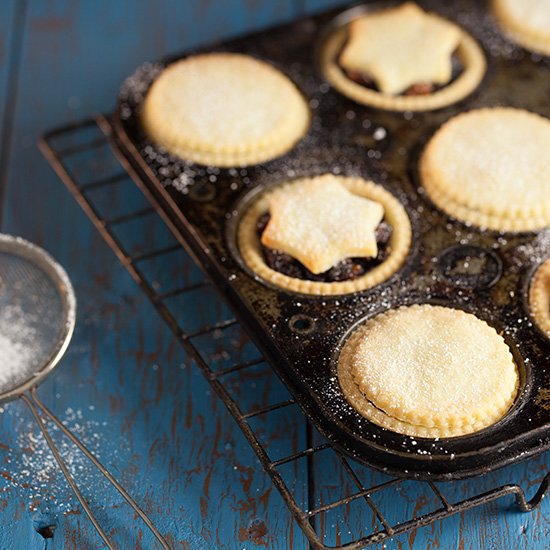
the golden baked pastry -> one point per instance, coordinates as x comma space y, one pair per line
400, 47
428, 371
314, 223
527, 22
491, 168
406, 51
320, 223
224, 109
539, 297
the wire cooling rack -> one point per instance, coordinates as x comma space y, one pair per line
89, 164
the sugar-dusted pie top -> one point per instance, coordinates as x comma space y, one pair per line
491, 167
533, 13
224, 103
528, 22
319, 222
432, 366
402, 46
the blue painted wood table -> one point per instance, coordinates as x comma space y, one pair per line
125, 386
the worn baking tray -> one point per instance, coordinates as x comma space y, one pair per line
483, 272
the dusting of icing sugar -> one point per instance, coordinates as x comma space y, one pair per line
134, 88
204, 97
33, 471
477, 19
535, 250
503, 148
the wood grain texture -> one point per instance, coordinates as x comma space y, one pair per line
7, 31
11, 19
315, 6
125, 385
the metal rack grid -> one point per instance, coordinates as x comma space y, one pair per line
62, 148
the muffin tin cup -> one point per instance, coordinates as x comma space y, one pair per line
473, 60
240, 210
450, 263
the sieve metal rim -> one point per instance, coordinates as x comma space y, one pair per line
18, 246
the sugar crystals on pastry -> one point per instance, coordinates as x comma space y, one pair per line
224, 109
402, 59
428, 371
491, 167
401, 47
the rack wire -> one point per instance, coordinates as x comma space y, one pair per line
74, 153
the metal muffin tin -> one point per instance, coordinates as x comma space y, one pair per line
484, 272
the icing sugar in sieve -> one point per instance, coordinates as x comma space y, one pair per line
37, 315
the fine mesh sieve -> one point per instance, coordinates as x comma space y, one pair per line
37, 318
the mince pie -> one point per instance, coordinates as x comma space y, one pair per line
428, 371
325, 235
224, 109
403, 59
491, 168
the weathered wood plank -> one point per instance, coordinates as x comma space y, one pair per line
10, 34
314, 6
7, 31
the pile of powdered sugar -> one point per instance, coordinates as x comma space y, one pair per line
19, 349
14, 356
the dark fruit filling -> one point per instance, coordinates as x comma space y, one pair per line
364, 79
346, 270
420, 88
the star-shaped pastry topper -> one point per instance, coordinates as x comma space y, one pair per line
319, 222
402, 46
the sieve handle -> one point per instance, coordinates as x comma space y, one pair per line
34, 404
